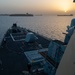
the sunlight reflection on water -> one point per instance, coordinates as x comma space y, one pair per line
48, 26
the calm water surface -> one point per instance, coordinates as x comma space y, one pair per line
48, 26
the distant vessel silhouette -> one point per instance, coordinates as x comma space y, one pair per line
27, 14
66, 15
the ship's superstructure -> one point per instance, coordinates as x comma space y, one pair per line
67, 63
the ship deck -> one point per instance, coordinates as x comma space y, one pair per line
12, 51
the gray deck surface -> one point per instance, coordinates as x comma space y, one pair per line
12, 53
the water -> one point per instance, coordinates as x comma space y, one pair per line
48, 26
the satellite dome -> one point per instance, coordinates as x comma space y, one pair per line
30, 37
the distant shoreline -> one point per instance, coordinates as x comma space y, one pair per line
31, 15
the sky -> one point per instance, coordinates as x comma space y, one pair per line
37, 6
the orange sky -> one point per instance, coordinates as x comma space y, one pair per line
22, 6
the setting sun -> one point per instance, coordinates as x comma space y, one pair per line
36, 6
64, 5
65, 11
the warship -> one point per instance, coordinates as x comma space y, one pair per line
23, 52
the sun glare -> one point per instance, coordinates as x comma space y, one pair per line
64, 5
65, 11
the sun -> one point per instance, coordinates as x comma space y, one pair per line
64, 5
65, 11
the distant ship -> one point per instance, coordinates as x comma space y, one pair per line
27, 14
66, 15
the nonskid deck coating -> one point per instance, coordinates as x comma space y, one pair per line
12, 54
